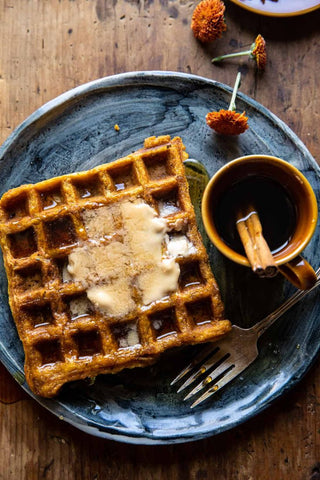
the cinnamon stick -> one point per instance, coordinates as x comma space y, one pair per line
256, 248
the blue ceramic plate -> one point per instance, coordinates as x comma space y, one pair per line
76, 132
279, 8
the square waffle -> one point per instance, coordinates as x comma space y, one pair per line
65, 335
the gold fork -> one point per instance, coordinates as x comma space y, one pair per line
226, 359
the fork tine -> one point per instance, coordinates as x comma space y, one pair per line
202, 355
231, 374
216, 355
220, 370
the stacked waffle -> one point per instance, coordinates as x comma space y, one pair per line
71, 322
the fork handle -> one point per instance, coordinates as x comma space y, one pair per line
266, 322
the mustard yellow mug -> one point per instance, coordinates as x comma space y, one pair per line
287, 209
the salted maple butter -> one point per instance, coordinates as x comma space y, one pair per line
180, 246
160, 280
138, 255
114, 298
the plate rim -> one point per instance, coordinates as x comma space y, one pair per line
302, 11
153, 78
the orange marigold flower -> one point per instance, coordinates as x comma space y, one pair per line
208, 22
257, 52
227, 122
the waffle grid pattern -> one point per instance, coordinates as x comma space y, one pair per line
40, 226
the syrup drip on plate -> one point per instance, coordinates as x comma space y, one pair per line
198, 179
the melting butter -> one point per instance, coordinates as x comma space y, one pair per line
79, 307
180, 245
145, 232
96, 262
130, 337
109, 266
99, 222
66, 277
114, 299
160, 281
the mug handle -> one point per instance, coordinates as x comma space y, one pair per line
299, 272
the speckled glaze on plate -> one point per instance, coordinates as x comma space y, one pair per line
76, 132
279, 8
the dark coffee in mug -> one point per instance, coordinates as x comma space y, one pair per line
270, 199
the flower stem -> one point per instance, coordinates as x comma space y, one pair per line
232, 105
230, 55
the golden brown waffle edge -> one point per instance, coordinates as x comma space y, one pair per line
41, 224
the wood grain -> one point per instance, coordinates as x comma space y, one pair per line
50, 46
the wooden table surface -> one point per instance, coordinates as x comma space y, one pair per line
50, 46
